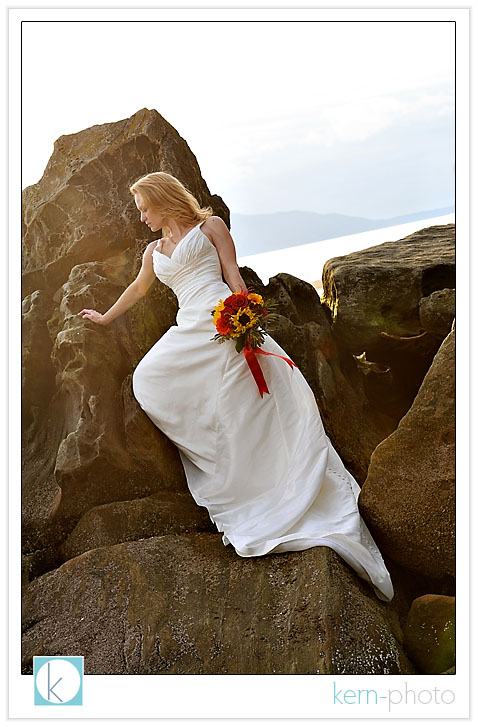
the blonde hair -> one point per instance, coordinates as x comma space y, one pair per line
164, 192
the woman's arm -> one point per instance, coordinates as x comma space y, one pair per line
133, 293
226, 250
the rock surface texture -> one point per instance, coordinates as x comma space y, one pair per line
430, 633
374, 296
188, 605
119, 563
408, 498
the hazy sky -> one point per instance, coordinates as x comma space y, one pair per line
347, 117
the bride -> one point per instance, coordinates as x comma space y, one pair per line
262, 466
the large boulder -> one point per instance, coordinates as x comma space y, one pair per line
408, 498
162, 513
85, 440
378, 289
374, 297
185, 604
429, 633
81, 209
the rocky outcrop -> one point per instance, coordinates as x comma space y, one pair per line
374, 296
106, 512
180, 604
85, 440
408, 498
81, 210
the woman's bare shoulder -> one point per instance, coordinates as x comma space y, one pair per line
153, 245
214, 225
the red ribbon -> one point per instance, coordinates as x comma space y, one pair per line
250, 354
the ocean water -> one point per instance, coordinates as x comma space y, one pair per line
307, 261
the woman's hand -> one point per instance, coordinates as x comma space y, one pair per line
94, 316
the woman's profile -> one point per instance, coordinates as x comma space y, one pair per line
262, 466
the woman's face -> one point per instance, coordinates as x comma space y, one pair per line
150, 217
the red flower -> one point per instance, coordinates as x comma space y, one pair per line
222, 326
236, 301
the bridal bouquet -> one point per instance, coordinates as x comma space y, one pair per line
239, 317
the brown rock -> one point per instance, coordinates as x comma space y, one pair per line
437, 312
102, 447
429, 634
374, 297
188, 605
408, 498
82, 210
85, 440
163, 513
38, 373
379, 288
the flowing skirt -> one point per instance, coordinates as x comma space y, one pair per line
263, 467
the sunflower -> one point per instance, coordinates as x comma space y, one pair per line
243, 319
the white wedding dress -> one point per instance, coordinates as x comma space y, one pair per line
263, 467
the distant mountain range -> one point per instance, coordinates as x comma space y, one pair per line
253, 234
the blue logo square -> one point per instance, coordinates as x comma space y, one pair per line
58, 680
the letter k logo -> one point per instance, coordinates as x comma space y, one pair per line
50, 688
